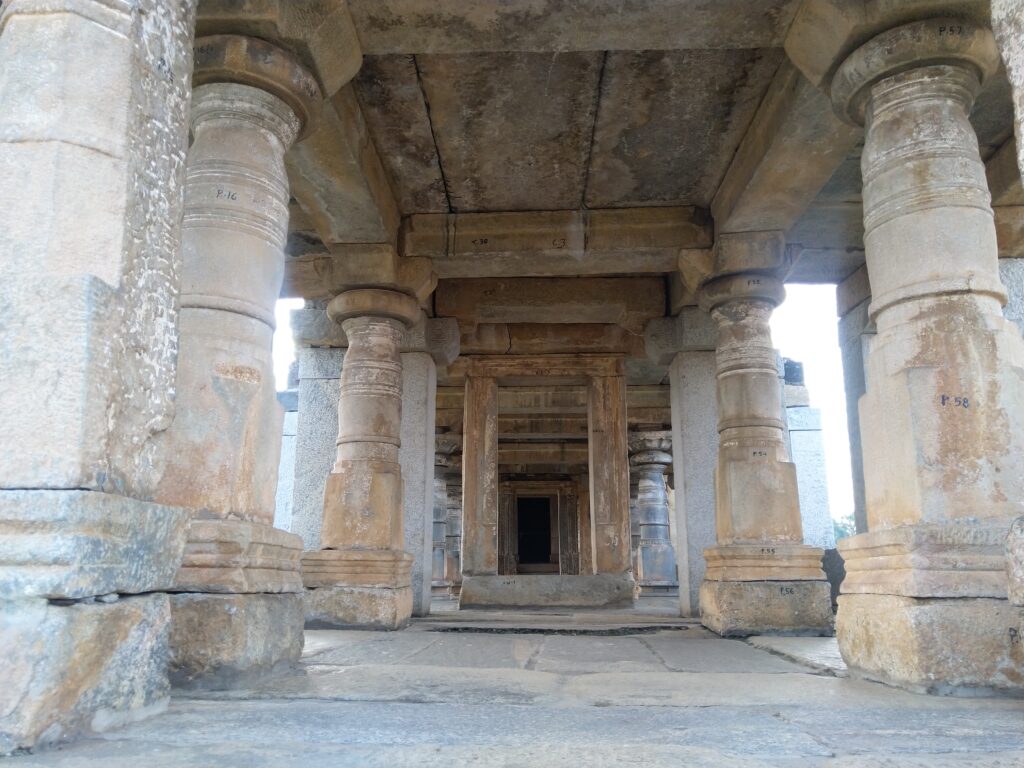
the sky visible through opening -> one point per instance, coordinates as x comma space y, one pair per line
803, 328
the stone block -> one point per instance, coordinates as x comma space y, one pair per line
218, 641
933, 646
603, 590
743, 608
1015, 562
761, 562
358, 607
233, 556
927, 560
69, 670
75, 544
357, 567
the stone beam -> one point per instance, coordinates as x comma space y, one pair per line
513, 368
552, 243
547, 454
791, 149
626, 302
339, 180
552, 427
321, 276
538, 339
473, 26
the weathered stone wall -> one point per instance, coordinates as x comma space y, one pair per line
93, 134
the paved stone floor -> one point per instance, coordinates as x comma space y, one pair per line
562, 688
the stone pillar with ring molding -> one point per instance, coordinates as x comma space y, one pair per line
649, 459
924, 601
251, 101
361, 576
760, 577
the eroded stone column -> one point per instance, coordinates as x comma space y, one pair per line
361, 576
239, 608
942, 421
93, 135
649, 459
453, 530
760, 577
438, 583
609, 474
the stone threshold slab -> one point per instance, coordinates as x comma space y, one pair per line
548, 590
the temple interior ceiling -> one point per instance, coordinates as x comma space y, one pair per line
463, 110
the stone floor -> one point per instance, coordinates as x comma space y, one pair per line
537, 688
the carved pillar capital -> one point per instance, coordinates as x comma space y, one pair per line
962, 53
258, 64
363, 303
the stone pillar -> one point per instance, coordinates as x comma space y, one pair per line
694, 452
586, 526
924, 601
240, 578
649, 459
416, 456
1008, 23
93, 135
634, 519
361, 576
609, 474
480, 478
439, 584
569, 531
453, 530
316, 438
853, 296
760, 577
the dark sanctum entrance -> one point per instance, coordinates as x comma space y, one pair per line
534, 527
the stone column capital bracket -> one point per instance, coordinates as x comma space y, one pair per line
644, 459
742, 287
257, 63
374, 302
939, 41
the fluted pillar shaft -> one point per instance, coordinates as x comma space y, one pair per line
942, 420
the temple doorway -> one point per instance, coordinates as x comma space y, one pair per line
537, 535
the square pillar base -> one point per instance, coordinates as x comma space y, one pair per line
744, 608
219, 641
933, 645
69, 670
343, 606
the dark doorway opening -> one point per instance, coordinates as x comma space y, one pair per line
534, 534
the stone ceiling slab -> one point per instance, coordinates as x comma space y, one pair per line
467, 26
512, 129
669, 123
389, 92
